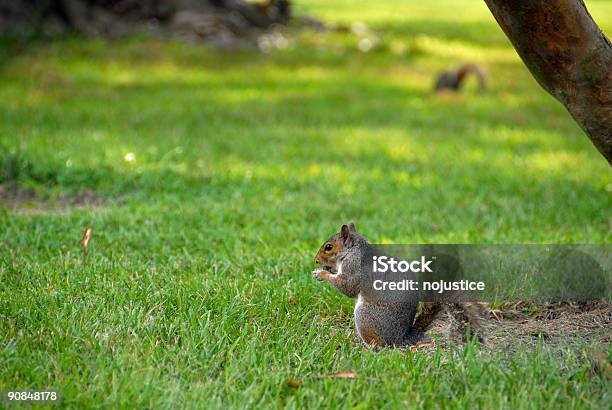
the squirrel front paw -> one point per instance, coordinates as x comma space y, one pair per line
319, 274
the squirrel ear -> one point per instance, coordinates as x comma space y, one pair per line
344, 231
351, 227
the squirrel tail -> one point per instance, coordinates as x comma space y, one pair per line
423, 321
429, 313
475, 69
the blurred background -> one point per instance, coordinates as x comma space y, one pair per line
299, 115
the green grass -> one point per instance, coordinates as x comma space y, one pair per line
197, 289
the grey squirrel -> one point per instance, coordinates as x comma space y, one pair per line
381, 323
453, 79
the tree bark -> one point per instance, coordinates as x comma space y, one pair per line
568, 55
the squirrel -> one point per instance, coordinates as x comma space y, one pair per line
378, 322
453, 79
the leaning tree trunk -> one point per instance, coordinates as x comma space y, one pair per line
568, 55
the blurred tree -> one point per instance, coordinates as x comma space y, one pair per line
568, 55
221, 21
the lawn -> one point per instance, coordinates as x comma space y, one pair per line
211, 178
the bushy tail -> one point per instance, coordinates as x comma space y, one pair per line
429, 312
425, 318
475, 69
454, 79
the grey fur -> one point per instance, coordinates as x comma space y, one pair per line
384, 322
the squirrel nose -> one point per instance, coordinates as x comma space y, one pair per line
317, 261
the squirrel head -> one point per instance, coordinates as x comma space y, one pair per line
333, 248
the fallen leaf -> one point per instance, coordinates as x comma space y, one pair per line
294, 384
520, 321
345, 374
85, 240
421, 345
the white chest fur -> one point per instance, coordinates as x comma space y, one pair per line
339, 268
359, 302
358, 306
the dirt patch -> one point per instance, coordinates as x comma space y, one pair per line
555, 326
32, 202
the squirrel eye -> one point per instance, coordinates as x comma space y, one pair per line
328, 247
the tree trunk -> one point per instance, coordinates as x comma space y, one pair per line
568, 55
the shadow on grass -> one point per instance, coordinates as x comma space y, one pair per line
328, 103
366, 168
479, 33
278, 127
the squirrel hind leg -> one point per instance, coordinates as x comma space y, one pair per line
416, 337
